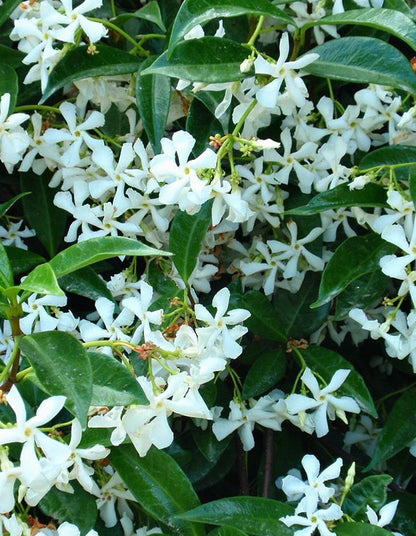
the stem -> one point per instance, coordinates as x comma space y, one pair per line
40, 107
256, 32
242, 466
296, 45
21, 375
121, 32
113, 9
268, 463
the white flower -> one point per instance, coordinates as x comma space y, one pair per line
314, 521
386, 514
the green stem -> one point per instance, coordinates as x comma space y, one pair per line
40, 107
121, 32
113, 9
14, 355
21, 375
256, 32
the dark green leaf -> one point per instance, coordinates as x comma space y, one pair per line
208, 444
77, 64
159, 485
43, 281
113, 384
187, 233
7, 9
9, 83
390, 156
149, 12
357, 256
326, 362
264, 320
62, 367
4, 207
372, 195
85, 282
388, 20
78, 508
48, 220
399, 429
6, 272
10, 56
193, 12
370, 491
294, 312
211, 99
399, 5
258, 516
360, 529
22, 260
202, 124
98, 249
343, 59
268, 369
153, 102
226, 531
405, 518
365, 292
209, 59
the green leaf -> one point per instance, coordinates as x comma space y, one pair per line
370, 491
113, 384
399, 5
9, 83
85, 282
326, 362
399, 429
77, 64
268, 369
149, 12
187, 234
4, 207
258, 516
405, 518
48, 220
98, 249
193, 12
43, 281
78, 508
202, 124
295, 314
388, 20
22, 260
208, 444
264, 320
10, 56
6, 272
153, 102
158, 484
343, 59
372, 195
7, 8
209, 59
355, 257
226, 531
389, 156
62, 367
360, 529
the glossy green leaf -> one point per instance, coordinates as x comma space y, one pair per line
399, 5
264, 320
405, 517
372, 195
79, 508
227, 531
389, 156
360, 529
388, 20
211, 99
62, 367
98, 249
43, 281
294, 311
326, 362
42, 215
187, 233
268, 369
201, 124
113, 384
77, 64
258, 516
85, 282
153, 102
10, 56
159, 485
4, 207
149, 12
6, 272
399, 429
364, 60
370, 491
208, 444
193, 12
357, 256
365, 292
7, 8
9, 83
22, 260
209, 59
